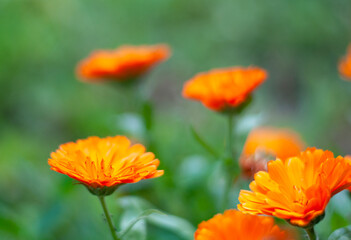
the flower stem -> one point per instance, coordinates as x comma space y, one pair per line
230, 135
311, 233
229, 164
108, 218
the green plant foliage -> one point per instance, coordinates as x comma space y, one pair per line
137, 212
42, 105
341, 234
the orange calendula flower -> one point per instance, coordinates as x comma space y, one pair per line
125, 63
102, 164
348, 158
234, 225
345, 65
268, 143
222, 89
297, 189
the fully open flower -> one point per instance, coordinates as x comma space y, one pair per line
297, 189
267, 143
103, 163
125, 63
234, 225
226, 88
345, 65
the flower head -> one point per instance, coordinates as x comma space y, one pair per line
234, 225
103, 163
268, 143
348, 158
226, 88
345, 65
297, 189
125, 63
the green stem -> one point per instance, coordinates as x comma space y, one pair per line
311, 233
108, 218
230, 135
229, 164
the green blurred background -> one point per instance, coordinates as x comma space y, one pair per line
42, 104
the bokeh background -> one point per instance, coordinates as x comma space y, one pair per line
42, 104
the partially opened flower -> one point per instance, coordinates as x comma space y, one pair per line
297, 189
267, 143
125, 63
345, 65
224, 89
234, 225
102, 164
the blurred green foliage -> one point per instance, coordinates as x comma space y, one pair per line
43, 105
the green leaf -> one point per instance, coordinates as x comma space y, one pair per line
131, 202
341, 234
337, 221
206, 146
175, 224
132, 208
143, 215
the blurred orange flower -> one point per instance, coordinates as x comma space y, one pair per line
348, 158
226, 88
345, 65
125, 63
236, 225
268, 143
297, 189
103, 163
